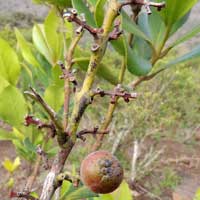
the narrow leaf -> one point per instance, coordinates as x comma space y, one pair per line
26, 49
41, 42
52, 25
195, 53
99, 12
186, 36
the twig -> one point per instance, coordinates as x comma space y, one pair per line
93, 132
136, 151
146, 3
52, 114
22, 195
134, 84
29, 119
118, 92
44, 157
116, 31
71, 16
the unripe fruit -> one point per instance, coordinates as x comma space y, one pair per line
101, 172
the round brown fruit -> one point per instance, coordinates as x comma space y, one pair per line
101, 172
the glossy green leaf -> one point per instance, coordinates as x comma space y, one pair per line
136, 64
175, 10
193, 54
52, 27
82, 8
12, 106
54, 96
131, 27
118, 45
9, 63
26, 49
103, 71
153, 26
99, 12
186, 36
41, 43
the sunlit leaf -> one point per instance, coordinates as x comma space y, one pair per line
26, 49
54, 96
41, 43
11, 166
12, 106
9, 63
52, 27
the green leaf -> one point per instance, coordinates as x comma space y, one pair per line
9, 63
179, 23
195, 53
103, 71
12, 106
69, 192
99, 12
123, 192
41, 43
26, 49
60, 3
175, 10
11, 166
52, 25
153, 26
10, 183
3, 84
54, 96
29, 145
80, 193
92, 2
131, 27
197, 195
136, 64
186, 36
6, 135
81, 7
118, 45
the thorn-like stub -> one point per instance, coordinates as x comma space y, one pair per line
79, 30
67, 14
73, 11
95, 47
134, 95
